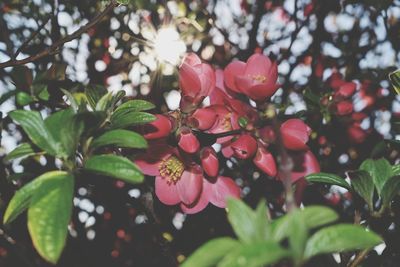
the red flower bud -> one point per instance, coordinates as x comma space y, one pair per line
244, 147
187, 141
196, 79
209, 161
344, 108
159, 128
295, 134
203, 118
265, 161
356, 134
346, 90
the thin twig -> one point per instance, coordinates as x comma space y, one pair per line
33, 35
359, 258
55, 48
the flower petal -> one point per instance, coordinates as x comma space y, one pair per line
190, 185
166, 193
222, 189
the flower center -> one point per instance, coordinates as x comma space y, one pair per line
226, 123
259, 78
171, 169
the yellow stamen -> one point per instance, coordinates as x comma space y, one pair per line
171, 169
259, 78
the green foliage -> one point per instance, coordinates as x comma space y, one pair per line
340, 238
374, 175
260, 239
327, 178
394, 78
115, 166
77, 130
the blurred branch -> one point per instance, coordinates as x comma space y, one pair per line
54, 48
33, 35
359, 258
5, 35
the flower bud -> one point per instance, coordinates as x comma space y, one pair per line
209, 161
203, 118
295, 134
159, 128
187, 141
344, 108
244, 147
265, 161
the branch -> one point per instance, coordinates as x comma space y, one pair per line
54, 48
359, 258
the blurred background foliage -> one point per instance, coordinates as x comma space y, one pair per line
137, 48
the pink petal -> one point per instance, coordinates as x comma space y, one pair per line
190, 185
231, 71
222, 189
258, 64
196, 207
166, 193
189, 80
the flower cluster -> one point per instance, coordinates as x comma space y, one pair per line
182, 152
349, 100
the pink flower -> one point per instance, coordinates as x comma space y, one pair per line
196, 80
209, 161
203, 118
295, 134
346, 90
356, 134
344, 108
256, 78
176, 182
187, 141
304, 163
244, 147
265, 161
159, 128
214, 192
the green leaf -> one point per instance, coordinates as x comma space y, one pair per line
104, 102
23, 98
298, 234
254, 255
312, 216
242, 218
71, 98
94, 93
364, 185
396, 170
340, 238
135, 105
66, 128
327, 178
211, 253
394, 78
23, 150
120, 138
22, 197
390, 189
115, 166
380, 171
34, 126
49, 214
262, 225
126, 119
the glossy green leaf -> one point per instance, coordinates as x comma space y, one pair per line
104, 102
380, 171
23, 150
66, 128
211, 253
312, 216
49, 214
364, 185
242, 218
134, 105
254, 255
390, 189
120, 138
394, 78
115, 166
94, 93
34, 126
127, 119
23, 98
23, 196
327, 178
340, 238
